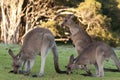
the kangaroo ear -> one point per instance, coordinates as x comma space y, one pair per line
71, 59
11, 53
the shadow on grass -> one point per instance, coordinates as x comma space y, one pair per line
86, 75
111, 70
105, 69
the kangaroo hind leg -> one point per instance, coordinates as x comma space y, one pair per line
96, 69
100, 61
44, 51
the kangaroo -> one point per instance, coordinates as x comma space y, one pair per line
37, 41
79, 36
95, 53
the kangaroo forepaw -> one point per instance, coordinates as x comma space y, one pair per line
21, 72
89, 73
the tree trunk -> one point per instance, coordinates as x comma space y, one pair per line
11, 17
3, 24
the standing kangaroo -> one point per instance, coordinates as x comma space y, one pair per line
36, 41
89, 51
95, 53
79, 37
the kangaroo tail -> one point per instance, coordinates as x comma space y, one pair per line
56, 63
116, 60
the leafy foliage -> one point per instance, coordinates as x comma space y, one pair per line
95, 23
111, 8
100, 18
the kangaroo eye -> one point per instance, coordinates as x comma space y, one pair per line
65, 20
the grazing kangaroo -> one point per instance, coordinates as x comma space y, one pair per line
79, 37
95, 53
36, 41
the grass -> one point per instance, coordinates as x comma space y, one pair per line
64, 52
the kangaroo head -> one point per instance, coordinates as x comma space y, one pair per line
71, 65
67, 21
16, 61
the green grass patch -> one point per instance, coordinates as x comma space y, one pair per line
64, 52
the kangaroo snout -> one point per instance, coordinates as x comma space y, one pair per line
11, 71
15, 72
69, 72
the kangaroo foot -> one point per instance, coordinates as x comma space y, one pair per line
95, 75
26, 73
35, 75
